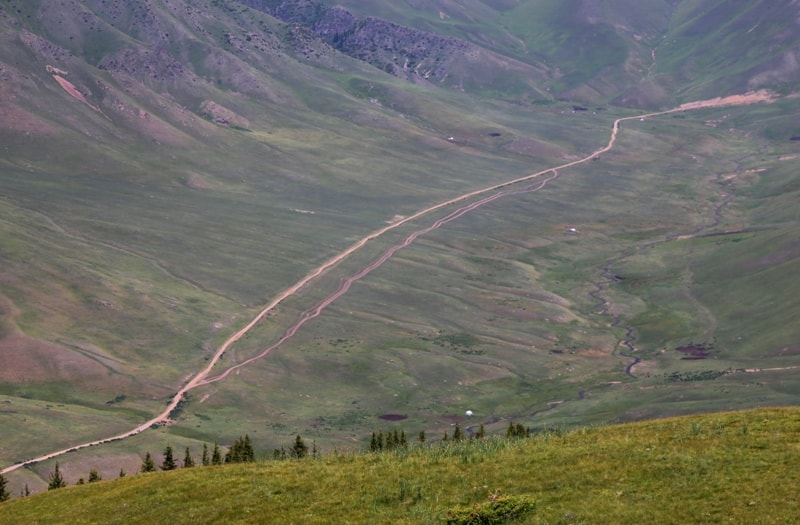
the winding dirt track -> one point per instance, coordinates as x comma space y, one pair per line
202, 377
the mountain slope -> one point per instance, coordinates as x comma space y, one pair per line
637, 53
169, 168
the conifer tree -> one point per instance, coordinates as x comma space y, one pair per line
390, 441
458, 434
148, 465
56, 480
380, 440
248, 454
445, 438
516, 431
27, 491
81, 481
232, 455
314, 451
421, 436
205, 459
122, 473
299, 449
94, 476
481, 433
373, 443
403, 439
169, 460
216, 455
241, 451
188, 462
4, 494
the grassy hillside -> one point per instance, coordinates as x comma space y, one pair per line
168, 168
736, 467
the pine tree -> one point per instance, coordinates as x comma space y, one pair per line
27, 491
481, 433
458, 434
314, 451
248, 453
232, 455
205, 459
216, 455
81, 481
299, 449
94, 476
188, 462
373, 443
445, 438
169, 460
148, 465
516, 431
241, 451
421, 436
122, 473
4, 494
56, 480
403, 439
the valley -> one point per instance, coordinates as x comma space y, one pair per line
204, 376
283, 217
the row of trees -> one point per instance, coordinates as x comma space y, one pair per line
241, 451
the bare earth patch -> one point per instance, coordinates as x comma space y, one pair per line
70, 88
752, 97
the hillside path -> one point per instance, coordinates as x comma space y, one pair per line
203, 376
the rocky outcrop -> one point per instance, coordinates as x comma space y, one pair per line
45, 48
412, 54
402, 51
150, 64
221, 115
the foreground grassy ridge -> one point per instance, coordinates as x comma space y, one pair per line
739, 467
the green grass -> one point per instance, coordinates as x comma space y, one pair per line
737, 467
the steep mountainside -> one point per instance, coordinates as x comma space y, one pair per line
637, 53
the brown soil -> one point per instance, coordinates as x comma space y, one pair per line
70, 88
393, 417
694, 352
751, 97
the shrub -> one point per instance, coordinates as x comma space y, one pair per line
496, 510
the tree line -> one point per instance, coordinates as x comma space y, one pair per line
242, 451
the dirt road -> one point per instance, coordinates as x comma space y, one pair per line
203, 376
